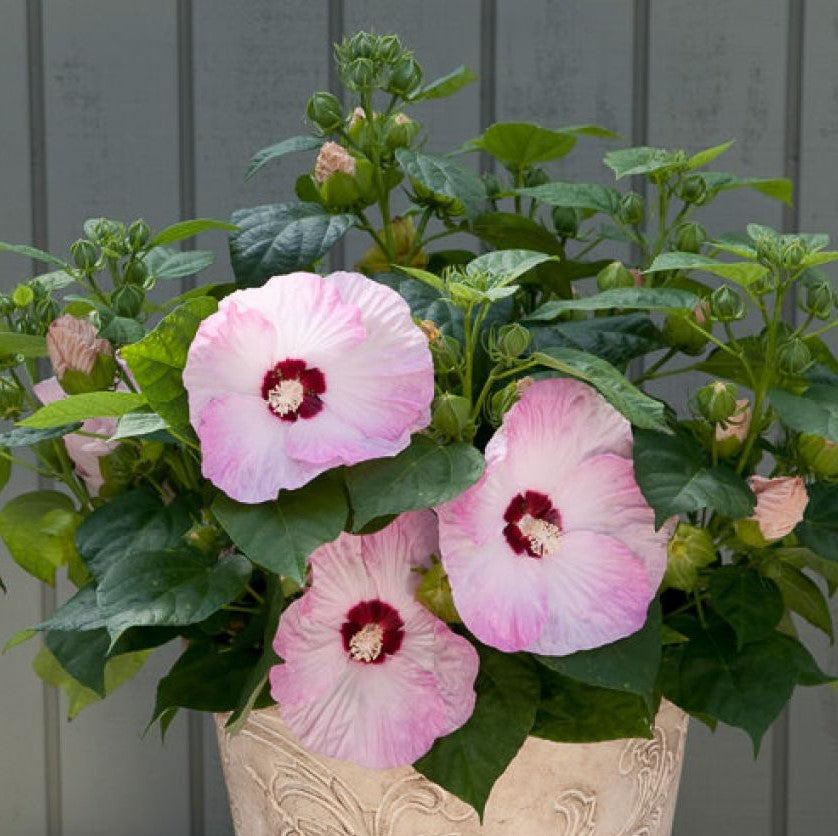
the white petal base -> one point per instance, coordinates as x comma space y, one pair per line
616, 788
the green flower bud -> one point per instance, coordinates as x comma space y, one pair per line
613, 276
690, 549
23, 296
405, 77
512, 341
716, 401
434, 592
135, 272
138, 234
504, 399
360, 74
565, 221
678, 333
324, 110
402, 132
631, 209
492, 184
820, 455
792, 253
693, 189
726, 305
535, 177
689, 237
820, 299
128, 300
768, 252
389, 47
451, 417
362, 45
794, 356
83, 253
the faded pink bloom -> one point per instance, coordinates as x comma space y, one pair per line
700, 313
72, 344
332, 157
84, 452
554, 550
304, 374
738, 424
369, 674
639, 281
780, 504
358, 115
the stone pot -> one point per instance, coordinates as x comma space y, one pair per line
616, 788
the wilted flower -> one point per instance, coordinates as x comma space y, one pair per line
332, 157
302, 375
74, 348
370, 675
737, 425
554, 550
780, 504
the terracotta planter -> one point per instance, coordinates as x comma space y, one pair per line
617, 788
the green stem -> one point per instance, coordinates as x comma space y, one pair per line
417, 239
824, 329
585, 250
370, 230
254, 594
49, 474
649, 373
468, 339
708, 336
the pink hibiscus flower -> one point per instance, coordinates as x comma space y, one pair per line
304, 374
369, 674
554, 550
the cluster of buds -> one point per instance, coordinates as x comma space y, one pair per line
368, 62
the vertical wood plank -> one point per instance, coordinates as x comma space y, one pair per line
112, 136
716, 75
813, 755
23, 796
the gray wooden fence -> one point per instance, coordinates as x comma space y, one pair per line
125, 108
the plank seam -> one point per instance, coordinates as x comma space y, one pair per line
334, 34
488, 73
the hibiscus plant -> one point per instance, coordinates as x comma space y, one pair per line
425, 505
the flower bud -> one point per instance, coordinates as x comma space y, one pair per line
332, 157
726, 305
820, 455
135, 272
716, 401
402, 132
83, 253
767, 250
678, 333
613, 276
389, 47
405, 77
780, 505
689, 237
360, 74
504, 399
693, 189
128, 300
434, 592
451, 416
631, 209
820, 299
324, 110
731, 432
690, 549
565, 221
794, 356
792, 253
82, 362
138, 234
23, 296
512, 341
492, 184
535, 177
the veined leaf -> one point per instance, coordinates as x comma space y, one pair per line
446, 177
744, 273
778, 188
28, 345
626, 298
446, 85
75, 408
505, 266
280, 149
34, 253
708, 155
642, 160
576, 196
814, 411
188, 229
168, 263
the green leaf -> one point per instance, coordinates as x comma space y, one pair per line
801, 595
744, 273
55, 280
291, 145
446, 177
422, 476
507, 231
819, 528
735, 244
815, 411
778, 188
629, 665
188, 229
279, 238
28, 345
576, 196
280, 535
816, 259
26, 437
591, 130
33, 253
38, 530
168, 588
803, 558
675, 478
505, 266
157, 362
76, 408
625, 298
749, 602
136, 521
446, 85
134, 424
469, 761
721, 364
574, 712
519, 145
424, 276
82, 654
122, 330
642, 160
639, 408
707, 156
166, 263
80, 612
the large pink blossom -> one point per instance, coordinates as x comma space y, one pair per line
369, 675
304, 374
84, 451
554, 550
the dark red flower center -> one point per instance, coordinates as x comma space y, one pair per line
292, 390
533, 525
372, 631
